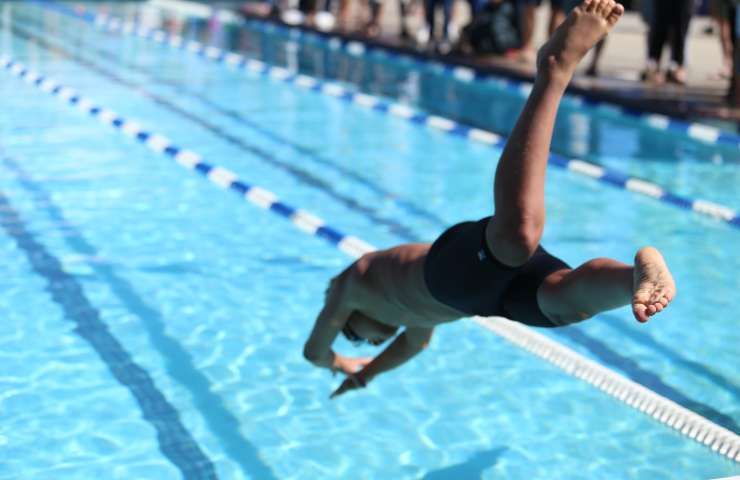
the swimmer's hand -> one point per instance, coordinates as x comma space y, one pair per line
349, 365
352, 382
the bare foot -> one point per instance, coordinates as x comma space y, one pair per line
588, 23
653, 284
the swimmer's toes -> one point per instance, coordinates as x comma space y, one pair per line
640, 312
615, 14
601, 7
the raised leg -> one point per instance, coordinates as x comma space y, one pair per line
604, 284
515, 230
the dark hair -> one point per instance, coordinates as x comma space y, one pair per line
358, 340
351, 335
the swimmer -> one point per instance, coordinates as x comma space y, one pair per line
493, 266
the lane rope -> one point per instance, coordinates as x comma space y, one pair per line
236, 61
667, 412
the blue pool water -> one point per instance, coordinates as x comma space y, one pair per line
153, 323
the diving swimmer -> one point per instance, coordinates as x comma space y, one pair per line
495, 265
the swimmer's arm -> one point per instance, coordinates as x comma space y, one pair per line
331, 320
317, 349
404, 347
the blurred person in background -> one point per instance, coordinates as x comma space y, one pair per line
404, 8
308, 8
342, 15
372, 22
493, 30
439, 43
669, 23
528, 12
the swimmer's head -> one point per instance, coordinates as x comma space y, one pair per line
361, 329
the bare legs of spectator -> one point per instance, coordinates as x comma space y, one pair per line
372, 26
343, 15
528, 13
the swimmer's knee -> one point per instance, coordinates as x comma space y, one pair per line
513, 242
555, 303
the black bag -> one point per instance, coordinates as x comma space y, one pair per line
495, 29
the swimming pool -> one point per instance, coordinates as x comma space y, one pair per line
155, 323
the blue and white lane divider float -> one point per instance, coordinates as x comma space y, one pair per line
191, 160
696, 131
451, 127
688, 423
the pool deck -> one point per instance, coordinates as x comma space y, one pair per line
704, 98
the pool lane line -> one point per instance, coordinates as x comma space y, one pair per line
179, 364
304, 176
174, 440
697, 131
597, 172
688, 423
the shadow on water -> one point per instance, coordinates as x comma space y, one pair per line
469, 469
179, 364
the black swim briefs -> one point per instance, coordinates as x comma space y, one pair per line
461, 272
